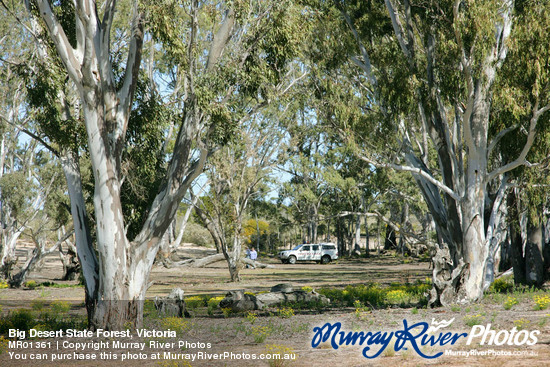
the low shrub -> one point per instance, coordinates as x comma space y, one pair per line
176, 324
260, 333
502, 285
197, 234
54, 317
31, 284
281, 355
510, 302
285, 312
521, 324
194, 302
213, 303
472, 320
541, 302
398, 297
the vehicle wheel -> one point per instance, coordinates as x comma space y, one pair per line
292, 259
325, 259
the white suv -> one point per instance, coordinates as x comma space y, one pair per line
320, 252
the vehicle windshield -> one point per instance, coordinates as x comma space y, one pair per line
297, 247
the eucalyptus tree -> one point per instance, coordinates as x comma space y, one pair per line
21, 195
237, 173
429, 72
304, 157
219, 52
526, 207
46, 225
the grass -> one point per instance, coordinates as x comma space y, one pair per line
510, 302
260, 333
521, 323
472, 320
3, 344
376, 296
541, 301
285, 312
59, 285
280, 355
177, 324
54, 317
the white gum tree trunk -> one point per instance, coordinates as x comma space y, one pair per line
116, 281
459, 132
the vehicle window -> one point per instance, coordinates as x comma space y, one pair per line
297, 248
305, 248
327, 247
315, 247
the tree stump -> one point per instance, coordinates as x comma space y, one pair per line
173, 304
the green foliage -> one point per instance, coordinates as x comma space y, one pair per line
375, 296
59, 285
251, 317
44, 85
281, 351
472, 320
195, 302
372, 295
521, 323
143, 160
226, 311
21, 319
197, 234
38, 304
213, 303
510, 302
176, 324
541, 301
54, 317
398, 297
60, 307
502, 285
285, 312
16, 193
360, 310
3, 344
260, 333
31, 284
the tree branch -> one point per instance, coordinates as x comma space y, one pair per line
220, 39
34, 136
499, 136
397, 28
61, 42
418, 171
521, 160
126, 92
365, 64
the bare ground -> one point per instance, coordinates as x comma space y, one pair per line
237, 334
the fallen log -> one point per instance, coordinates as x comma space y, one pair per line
204, 261
257, 264
239, 301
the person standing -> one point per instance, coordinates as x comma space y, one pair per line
253, 257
